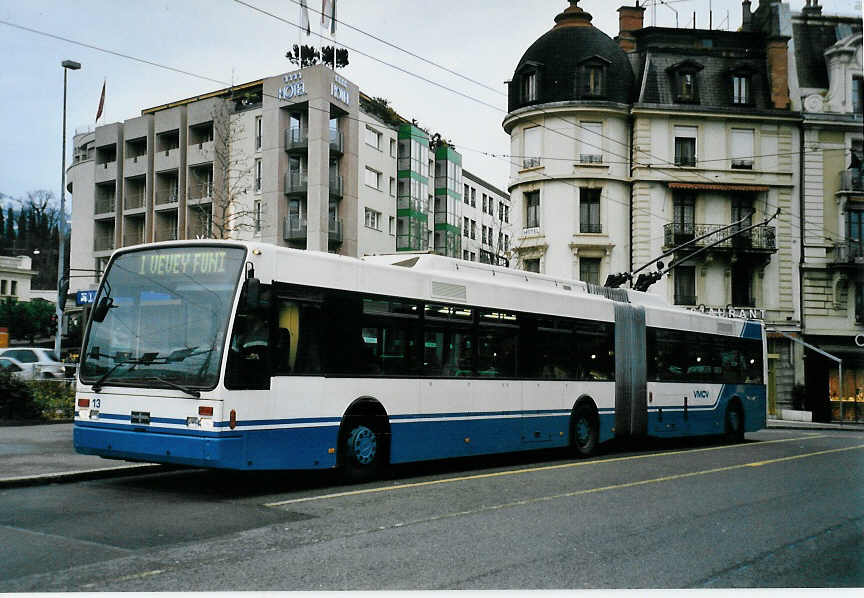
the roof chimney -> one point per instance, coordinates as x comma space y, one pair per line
573, 16
746, 16
629, 20
811, 8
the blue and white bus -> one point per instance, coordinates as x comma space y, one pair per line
250, 356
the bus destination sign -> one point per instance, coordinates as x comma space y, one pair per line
192, 261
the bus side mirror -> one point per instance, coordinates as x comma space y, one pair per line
101, 310
253, 294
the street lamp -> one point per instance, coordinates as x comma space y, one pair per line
68, 65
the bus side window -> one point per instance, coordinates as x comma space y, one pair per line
295, 342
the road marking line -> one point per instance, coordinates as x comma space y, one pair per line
540, 499
521, 471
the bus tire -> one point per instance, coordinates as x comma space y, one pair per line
734, 423
584, 431
363, 450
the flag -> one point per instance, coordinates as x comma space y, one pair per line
101, 102
304, 17
328, 15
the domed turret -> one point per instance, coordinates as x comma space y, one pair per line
574, 61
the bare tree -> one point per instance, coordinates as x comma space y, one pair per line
231, 211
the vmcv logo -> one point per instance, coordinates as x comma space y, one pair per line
700, 394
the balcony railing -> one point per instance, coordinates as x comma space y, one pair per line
590, 227
104, 205
201, 191
852, 180
849, 252
296, 139
103, 241
591, 158
334, 231
761, 238
530, 162
336, 141
296, 182
335, 185
294, 228
163, 197
166, 233
133, 201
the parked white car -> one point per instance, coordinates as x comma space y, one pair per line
41, 362
16, 369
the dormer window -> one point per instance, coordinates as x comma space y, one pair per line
529, 87
592, 77
740, 89
740, 80
685, 81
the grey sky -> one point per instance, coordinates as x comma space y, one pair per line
223, 40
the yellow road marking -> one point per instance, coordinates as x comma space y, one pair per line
522, 471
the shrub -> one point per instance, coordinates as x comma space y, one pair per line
55, 399
16, 399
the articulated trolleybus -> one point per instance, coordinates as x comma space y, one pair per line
249, 356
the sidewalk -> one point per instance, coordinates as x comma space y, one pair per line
43, 454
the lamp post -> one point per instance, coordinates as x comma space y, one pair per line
61, 291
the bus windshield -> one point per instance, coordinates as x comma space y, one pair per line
166, 318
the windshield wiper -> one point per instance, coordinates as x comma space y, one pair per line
97, 386
188, 391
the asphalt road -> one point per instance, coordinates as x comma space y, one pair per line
784, 509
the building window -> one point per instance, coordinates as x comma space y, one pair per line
531, 148
373, 178
685, 285
742, 148
859, 303
741, 89
590, 142
532, 265
506, 242
685, 146
465, 255
473, 197
484, 203
392, 226
484, 235
2, 287
393, 148
466, 228
373, 138
528, 90
857, 95
855, 231
466, 195
592, 75
473, 229
258, 175
392, 187
741, 287
258, 132
685, 81
683, 210
532, 209
589, 211
507, 214
373, 219
589, 269
13, 288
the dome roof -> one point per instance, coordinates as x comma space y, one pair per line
561, 59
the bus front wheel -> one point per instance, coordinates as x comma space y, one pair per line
584, 431
362, 449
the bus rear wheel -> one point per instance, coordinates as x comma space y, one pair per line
584, 431
734, 426
362, 450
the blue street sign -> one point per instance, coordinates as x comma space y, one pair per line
84, 297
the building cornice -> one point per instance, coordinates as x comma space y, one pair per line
562, 107
661, 110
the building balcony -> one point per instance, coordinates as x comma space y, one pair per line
337, 141
105, 205
199, 153
294, 229
135, 165
105, 171
168, 159
761, 239
335, 184
166, 197
852, 180
201, 192
103, 241
296, 183
296, 140
134, 200
849, 253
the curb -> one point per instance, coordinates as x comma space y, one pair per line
88, 474
793, 425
